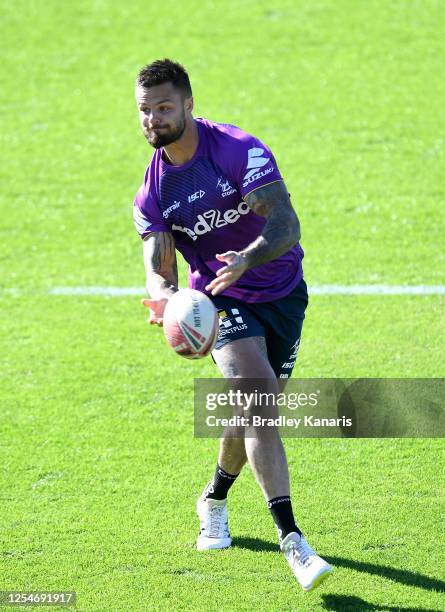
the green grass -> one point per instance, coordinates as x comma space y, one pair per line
100, 470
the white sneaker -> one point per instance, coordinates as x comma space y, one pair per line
309, 569
214, 530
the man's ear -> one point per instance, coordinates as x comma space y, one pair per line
188, 104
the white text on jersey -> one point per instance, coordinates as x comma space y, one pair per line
255, 161
213, 219
196, 196
171, 208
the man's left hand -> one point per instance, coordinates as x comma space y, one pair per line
229, 274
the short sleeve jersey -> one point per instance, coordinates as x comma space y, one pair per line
201, 204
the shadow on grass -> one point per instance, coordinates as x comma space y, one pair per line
255, 544
398, 575
344, 603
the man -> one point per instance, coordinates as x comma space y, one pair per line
215, 193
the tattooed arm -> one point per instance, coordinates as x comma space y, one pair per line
160, 265
161, 271
282, 229
280, 233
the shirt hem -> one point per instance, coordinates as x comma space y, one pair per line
253, 298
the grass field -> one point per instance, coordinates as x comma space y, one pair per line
100, 470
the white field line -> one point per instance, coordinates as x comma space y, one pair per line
313, 290
377, 290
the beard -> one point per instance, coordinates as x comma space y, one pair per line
168, 135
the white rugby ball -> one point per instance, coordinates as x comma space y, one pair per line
191, 323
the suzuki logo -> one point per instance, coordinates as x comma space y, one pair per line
255, 161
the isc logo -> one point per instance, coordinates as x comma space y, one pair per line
196, 196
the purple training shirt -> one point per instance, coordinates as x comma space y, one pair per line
201, 204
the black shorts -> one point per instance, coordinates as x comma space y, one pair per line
280, 322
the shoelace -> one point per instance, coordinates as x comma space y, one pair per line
301, 554
215, 520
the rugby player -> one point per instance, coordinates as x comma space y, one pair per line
214, 193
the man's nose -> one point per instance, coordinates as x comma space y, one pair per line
151, 120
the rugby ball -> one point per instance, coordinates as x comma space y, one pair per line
191, 323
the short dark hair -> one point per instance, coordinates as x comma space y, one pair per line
165, 71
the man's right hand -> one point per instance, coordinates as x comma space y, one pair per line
157, 308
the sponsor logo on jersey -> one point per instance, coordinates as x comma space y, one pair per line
255, 161
171, 208
226, 187
213, 219
196, 196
